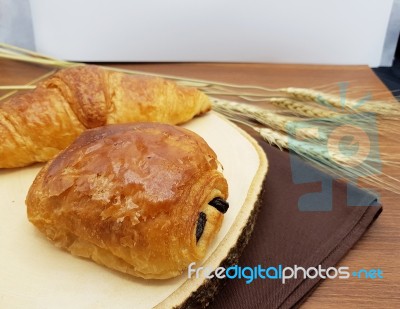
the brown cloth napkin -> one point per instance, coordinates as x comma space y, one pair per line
288, 236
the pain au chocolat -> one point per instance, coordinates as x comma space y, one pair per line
145, 199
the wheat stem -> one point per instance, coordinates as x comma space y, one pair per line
46, 60
17, 87
31, 83
37, 60
313, 149
301, 94
19, 50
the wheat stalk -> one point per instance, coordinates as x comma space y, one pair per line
328, 160
17, 87
21, 54
262, 116
303, 109
382, 108
302, 94
300, 128
305, 142
30, 84
316, 150
323, 116
332, 162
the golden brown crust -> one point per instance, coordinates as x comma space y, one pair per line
129, 196
36, 125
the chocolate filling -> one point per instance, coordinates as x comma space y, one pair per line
220, 204
201, 223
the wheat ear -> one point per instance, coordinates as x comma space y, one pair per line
330, 161
303, 109
383, 108
263, 116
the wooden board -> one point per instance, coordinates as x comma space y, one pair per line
36, 274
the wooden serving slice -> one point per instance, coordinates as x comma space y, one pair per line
36, 274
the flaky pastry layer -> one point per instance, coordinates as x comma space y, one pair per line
36, 125
129, 197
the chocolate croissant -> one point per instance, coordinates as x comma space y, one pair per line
35, 126
145, 199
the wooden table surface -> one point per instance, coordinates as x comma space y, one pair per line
380, 246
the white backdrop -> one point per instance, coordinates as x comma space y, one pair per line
286, 31
16, 23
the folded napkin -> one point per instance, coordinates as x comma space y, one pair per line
288, 233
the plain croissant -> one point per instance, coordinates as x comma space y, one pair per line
37, 125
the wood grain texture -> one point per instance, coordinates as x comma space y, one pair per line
380, 246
